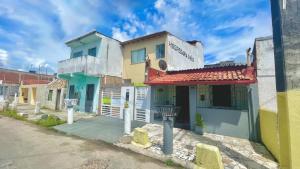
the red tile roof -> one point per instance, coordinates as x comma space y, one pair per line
218, 75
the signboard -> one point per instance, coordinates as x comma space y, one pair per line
181, 55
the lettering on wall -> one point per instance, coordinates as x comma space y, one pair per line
182, 52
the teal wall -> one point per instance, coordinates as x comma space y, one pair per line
80, 82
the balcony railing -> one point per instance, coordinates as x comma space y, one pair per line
88, 65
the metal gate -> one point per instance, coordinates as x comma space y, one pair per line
111, 102
142, 104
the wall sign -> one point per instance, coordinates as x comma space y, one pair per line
182, 52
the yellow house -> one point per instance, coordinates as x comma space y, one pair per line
32, 91
176, 54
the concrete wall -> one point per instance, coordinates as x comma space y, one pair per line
136, 72
182, 55
7, 91
80, 82
233, 123
269, 131
51, 104
34, 93
264, 52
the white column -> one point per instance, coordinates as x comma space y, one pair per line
127, 121
70, 114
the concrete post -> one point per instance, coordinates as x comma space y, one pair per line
286, 37
15, 102
168, 135
127, 121
70, 114
37, 107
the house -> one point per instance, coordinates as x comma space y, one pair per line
33, 91
225, 96
93, 57
56, 93
162, 51
10, 81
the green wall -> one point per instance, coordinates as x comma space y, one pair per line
80, 82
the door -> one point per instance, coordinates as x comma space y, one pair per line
182, 101
90, 88
142, 104
57, 103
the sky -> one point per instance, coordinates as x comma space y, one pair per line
33, 32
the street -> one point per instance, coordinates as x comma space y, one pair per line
26, 146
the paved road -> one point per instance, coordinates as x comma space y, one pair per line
26, 146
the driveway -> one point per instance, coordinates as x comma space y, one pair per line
26, 146
103, 128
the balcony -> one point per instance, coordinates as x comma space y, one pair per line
88, 65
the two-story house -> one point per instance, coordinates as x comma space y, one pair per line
93, 57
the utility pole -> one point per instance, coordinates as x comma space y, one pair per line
286, 37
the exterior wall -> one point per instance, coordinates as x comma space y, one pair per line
34, 93
182, 55
7, 91
80, 82
136, 72
226, 122
179, 55
264, 52
269, 131
108, 60
52, 104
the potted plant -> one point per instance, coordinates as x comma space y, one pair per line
199, 124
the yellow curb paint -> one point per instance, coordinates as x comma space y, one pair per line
141, 138
289, 128
208, 157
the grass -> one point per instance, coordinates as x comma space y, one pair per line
169, 162
48, 122
12, 114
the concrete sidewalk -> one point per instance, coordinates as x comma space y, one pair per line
103, 128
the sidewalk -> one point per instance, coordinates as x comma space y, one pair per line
236, 153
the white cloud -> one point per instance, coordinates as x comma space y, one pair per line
3, 57
120, 35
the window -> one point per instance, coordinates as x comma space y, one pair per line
138, 56
160, 51
50, 95
77, 54
221, 95
92, 52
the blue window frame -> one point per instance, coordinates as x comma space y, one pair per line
160, 51
77, 54
92, 52
138, 56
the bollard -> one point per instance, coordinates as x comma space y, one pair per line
37, 107
168, 136
70, 114
127, 121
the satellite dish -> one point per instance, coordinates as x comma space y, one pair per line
162, 64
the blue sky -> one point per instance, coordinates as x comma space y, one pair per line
33, 32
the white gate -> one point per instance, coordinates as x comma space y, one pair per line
111, 102
142, 104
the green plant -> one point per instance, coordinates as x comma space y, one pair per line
12, 114
169, 162
50, 121
199, 120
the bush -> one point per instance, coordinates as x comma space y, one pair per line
50, 121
